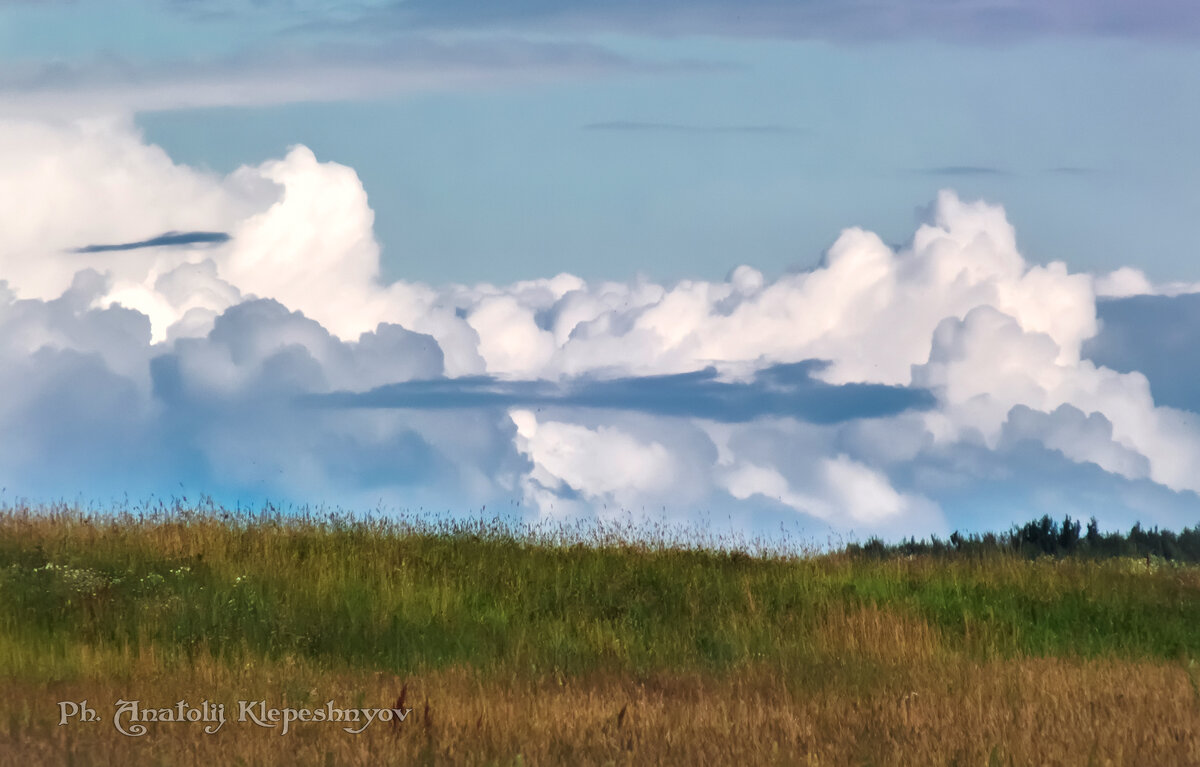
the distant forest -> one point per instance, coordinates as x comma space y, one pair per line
1046, 537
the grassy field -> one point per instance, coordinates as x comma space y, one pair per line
545, 648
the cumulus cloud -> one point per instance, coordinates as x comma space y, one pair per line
1129, 281
846, 489
604, 462
886, 390
1082, 437
985, 364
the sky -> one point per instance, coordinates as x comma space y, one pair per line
847, 268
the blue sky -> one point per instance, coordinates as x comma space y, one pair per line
228, 211
1087, 143
1079, 121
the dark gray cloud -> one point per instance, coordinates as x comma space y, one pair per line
169, 239
970, 20
780, 391
1157, 336
634, 126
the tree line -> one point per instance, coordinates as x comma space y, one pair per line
1047, 537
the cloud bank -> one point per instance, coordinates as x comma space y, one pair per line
946, 383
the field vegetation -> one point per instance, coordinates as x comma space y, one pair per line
599, 645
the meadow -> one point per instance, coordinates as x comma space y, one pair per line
590, 645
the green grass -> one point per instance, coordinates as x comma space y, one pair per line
401, 597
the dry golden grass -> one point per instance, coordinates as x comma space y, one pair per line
1029, 711
876, 635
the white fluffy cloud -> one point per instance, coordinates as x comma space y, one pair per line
846, 490
986, 364
209, 344
1129, 281
601, 463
